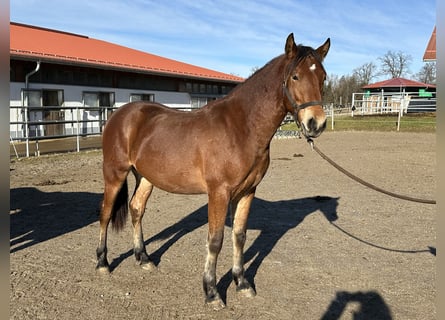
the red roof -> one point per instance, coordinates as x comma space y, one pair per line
57, 46
430, 51
397, 83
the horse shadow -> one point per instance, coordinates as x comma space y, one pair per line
272, 218
37, 216
371, 306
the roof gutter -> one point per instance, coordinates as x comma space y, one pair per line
31, 73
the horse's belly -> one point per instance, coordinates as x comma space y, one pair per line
181, 186
175, 179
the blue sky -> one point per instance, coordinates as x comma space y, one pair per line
236, 36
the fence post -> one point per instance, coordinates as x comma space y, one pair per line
402, 104
26, 113
353, 104
332, 116
382, 102
78, 131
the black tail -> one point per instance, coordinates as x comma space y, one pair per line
120, 208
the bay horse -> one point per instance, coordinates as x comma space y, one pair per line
221, 150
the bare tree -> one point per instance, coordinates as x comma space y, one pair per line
254, 69
338, 90
395, 64
330, 94
365, 73
427, 73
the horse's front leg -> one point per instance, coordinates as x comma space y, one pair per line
137, 208
240, 212
217, 211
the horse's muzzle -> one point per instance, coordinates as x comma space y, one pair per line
313, 127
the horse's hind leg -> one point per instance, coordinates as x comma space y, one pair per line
115, 197
240, 212
137, 208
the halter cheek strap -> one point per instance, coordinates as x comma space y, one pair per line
297, 107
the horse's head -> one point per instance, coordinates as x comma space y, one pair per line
303, 86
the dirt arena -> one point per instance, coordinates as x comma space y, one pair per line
319, 245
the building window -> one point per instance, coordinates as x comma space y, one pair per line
52, 98
44, 106
198, 102
97, 109
210, 89
98, 99
142, 97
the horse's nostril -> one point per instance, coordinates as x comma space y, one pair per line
311, 124
314, 127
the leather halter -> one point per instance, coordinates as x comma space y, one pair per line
297, 107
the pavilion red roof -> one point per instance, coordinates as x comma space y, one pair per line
430, 51
63, 47
398, 83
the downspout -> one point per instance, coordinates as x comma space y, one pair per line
30, 74
26, 110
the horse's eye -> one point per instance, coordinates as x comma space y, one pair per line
295, 77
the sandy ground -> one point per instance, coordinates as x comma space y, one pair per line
320, 246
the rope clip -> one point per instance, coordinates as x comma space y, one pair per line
311, 142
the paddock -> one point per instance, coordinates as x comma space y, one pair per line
319, 245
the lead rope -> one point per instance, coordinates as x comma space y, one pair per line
367, 184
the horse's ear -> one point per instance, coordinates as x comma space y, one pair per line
324, 48
290, 49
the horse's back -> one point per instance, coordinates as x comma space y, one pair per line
138, 111
131, 119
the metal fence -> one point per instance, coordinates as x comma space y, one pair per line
339, 117
58, 128
392, 102
33, 124
287, 134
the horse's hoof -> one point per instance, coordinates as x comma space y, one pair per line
216, 303
246, 292
149, 266
103, 270
245, 289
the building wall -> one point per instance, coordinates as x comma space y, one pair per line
73, 94
67, 99
73, 98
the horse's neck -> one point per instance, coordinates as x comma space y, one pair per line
262, 102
